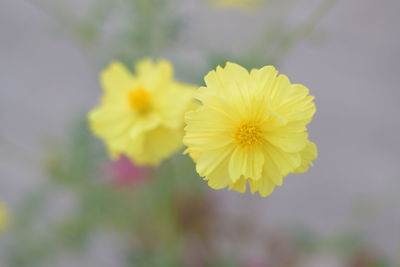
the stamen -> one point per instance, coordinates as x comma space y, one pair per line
139, 99
247, 134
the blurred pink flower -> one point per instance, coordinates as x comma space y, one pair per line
125, 173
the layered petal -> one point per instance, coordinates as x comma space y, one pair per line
209, 161
141, 115
308, 154
239, 185
271, 171
207, 129
219, 177
291, 101
158, 144
249, 129
154, 76
286, 162
116, 78
290, 138
263, 186
246, 162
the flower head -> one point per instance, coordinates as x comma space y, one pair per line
141, 115
250, 129
3, 217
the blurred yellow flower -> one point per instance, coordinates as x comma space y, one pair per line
235, 3
250, 128
3, 217
141, 115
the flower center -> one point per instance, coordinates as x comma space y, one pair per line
139, 99
247, 134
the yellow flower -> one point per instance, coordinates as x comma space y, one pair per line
141, 116
3, 217
250, 129
236, 3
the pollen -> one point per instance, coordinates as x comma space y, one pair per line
139, 99
247, 134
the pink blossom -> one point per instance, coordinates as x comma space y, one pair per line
125, 173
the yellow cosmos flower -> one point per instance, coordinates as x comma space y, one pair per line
141, 116
250, 129
3, 217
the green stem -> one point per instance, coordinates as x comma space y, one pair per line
302, 31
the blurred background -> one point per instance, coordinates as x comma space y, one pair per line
68, 205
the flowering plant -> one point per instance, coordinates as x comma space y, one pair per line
132, 166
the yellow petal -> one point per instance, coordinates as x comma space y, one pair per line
154, 75
247, 162
290, 137
292, 101
263, 186
308, 154
110, 123
263, 78
221, 77
286, 162
208, 161
157, 144
116, 78
239, 185
219, 177
144, 123
207, 129
271, 171
172, 112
